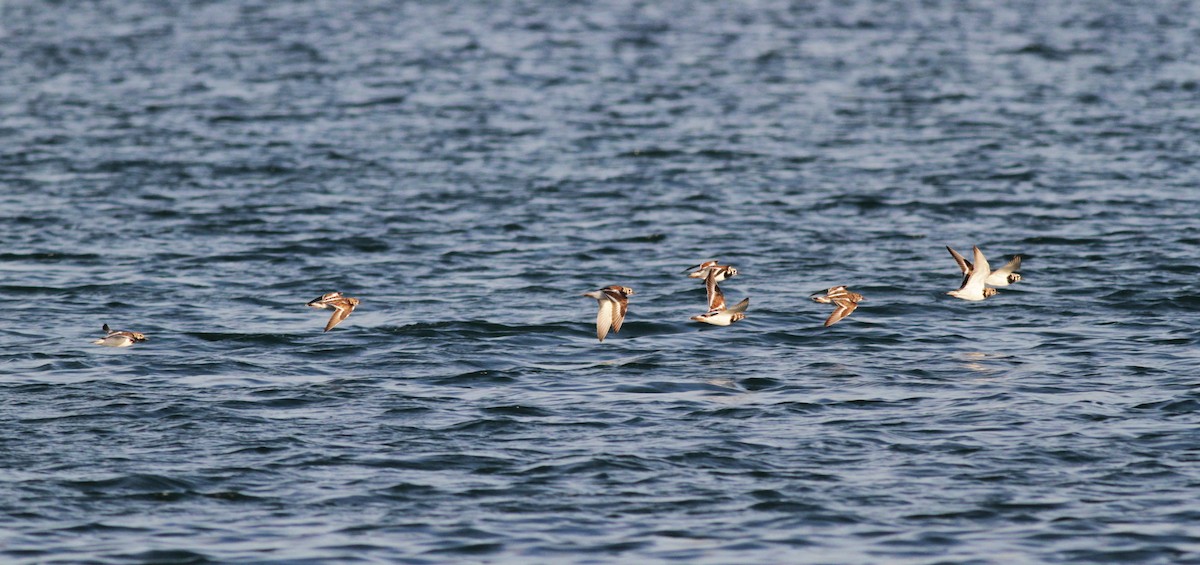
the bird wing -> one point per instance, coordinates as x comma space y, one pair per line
979, 273
605, 317
341, 311
740, 306
620, 307
325, 300
963, 265
837, 292
716, 298
1009, 267
697, 271
844, 308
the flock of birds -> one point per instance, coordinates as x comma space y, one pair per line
977, 276
979, 282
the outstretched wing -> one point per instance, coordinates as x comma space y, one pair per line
843, 309
716, 298
605, 317
837, 293
700, 270
979, 273
740, 306
1008, 267
620, 307
964, 265
341, 311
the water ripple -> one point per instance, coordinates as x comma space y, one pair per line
200, 172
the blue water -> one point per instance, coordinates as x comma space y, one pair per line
197, 171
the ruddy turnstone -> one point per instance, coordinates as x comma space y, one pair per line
1003, 276
702, 270
341, 305
976, 275
844, 300
119, 338
725, 316
718, 314
614, 302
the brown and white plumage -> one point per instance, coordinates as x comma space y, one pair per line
1003, 276
716, 298
119, 338
718, 314
724, 316
973, 285
844, 301
700, 271
963, 265
706, 268
342, 306
613, 301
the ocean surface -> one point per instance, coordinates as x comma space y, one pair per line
199, 170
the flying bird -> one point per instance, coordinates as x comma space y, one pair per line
1003, 276
844, 301
702, 270
718, 314
614, 302
342, 307
975, 277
